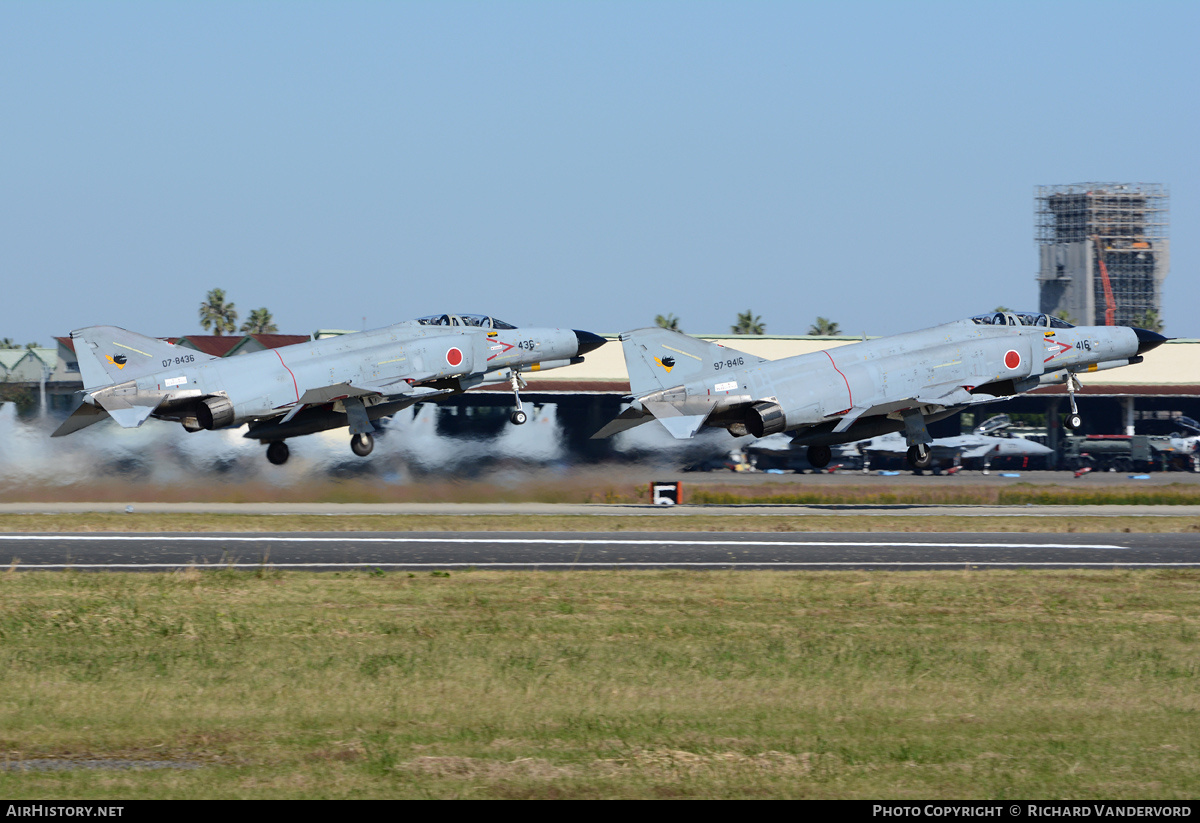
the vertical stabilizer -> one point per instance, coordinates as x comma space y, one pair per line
108, 355
659, 359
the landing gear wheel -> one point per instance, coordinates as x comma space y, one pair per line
1073, 422
819, 456
278, 452
919, 456
362, 444
518, 417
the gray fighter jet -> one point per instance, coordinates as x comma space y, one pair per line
977, 449
865, 389
349, 380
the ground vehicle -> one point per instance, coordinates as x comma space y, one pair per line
1120, 452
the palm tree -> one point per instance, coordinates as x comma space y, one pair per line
1148, 320
824, 327
669, 322
260, 322
7, 343
749, 324
216, 314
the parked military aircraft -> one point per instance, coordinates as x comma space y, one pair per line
857, 391
979, 448
349, 380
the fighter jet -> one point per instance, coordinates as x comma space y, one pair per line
979, 448
349, 380
897, 383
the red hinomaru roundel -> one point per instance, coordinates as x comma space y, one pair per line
454, 357
1012, 359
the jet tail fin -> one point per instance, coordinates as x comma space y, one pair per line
108, 355
658, 359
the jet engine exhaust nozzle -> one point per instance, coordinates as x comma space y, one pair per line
765, 418
214, 413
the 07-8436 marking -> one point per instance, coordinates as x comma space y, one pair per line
187, 358
729, 364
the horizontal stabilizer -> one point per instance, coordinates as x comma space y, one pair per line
129, 415
81, 418
625, 421
680, 424
685, 426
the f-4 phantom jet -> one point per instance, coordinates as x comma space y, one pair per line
979, 448
349, 380
861, 390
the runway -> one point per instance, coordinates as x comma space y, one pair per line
605, 510
340, 551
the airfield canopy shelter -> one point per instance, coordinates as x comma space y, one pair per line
479, 320
1020, 318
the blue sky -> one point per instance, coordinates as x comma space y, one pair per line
577, 164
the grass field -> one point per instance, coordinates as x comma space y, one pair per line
604, 684
616, 486
698, 522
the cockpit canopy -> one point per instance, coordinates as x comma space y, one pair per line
1020, 318
478, 320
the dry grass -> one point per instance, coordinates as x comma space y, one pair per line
693, 522
605, 684
617, 485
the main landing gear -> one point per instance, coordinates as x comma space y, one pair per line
519, 416
362, 444
819, 456
919, 456
278, 451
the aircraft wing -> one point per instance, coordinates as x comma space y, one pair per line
949, 395
398, 388
977, 451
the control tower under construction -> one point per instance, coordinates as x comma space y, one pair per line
1104, 252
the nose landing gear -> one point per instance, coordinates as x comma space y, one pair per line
519, 416
1073, 421
277, 452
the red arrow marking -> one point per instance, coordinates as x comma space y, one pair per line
1062, 348
506, 346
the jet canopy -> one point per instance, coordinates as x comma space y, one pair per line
478, 320
1020, 318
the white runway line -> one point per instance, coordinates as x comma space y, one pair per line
544, 541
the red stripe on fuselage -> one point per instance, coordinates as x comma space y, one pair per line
289, 371
847, 382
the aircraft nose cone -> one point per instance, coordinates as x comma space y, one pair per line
588, 341
1147, 340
